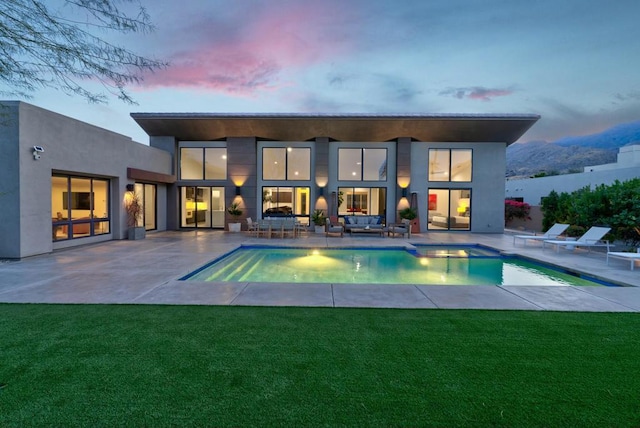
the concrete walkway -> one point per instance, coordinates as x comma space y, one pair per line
147, 272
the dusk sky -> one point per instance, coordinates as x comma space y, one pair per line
574, 62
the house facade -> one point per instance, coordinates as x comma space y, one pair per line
63, 182
450, 168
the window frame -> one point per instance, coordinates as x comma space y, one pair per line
287, 150
203, 163
361, 176
294, 202
450, 165
351, 193
96, 224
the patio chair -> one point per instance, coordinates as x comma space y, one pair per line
632, 257
251, 225
288, 227
553, 233
333, 228
403, 228
263, 228
591, 238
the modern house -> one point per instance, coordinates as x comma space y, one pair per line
450, 168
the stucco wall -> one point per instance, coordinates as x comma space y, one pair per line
532, 190
77, 148
487, 196
9, 183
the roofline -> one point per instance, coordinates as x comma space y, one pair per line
405, 116
356, 127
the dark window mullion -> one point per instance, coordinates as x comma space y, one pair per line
286, 164
204, 167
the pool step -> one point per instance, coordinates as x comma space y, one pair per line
240, 261
252, 263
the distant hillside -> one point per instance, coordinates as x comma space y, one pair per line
569, 154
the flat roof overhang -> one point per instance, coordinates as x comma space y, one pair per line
506, 128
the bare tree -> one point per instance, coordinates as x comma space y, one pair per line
62, 44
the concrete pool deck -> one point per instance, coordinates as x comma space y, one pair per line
147, 272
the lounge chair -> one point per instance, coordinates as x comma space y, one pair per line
333, 228
591, 238
632, 257
553, 233
403, 228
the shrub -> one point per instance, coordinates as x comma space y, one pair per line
514, 209
616, 206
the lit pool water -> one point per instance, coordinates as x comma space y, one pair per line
440, 265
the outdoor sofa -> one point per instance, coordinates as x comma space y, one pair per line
362, 222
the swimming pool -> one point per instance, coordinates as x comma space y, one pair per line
439, 265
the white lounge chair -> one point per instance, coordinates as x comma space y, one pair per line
632, 257
591, 238
555, 231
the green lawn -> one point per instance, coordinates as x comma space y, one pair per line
86, 365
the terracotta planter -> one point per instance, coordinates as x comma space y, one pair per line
415, 225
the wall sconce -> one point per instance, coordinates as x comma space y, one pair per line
37, 152
130, 187
404, 192
238, 191
320, 191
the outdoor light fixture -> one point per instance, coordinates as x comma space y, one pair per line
130, 187
320, 191
37, 152
404, 192
238, 190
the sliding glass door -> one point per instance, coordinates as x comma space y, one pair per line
202, 207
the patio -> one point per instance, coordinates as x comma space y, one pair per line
147, 272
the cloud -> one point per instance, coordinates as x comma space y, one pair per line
255, 49
476, 93
629, 96
562, 120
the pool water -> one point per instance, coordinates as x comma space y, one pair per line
425, 265
455, 251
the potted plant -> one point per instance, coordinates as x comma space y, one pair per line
235, 212
410, 213
134, 209
318, 218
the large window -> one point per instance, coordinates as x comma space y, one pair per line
450, 165
285, 201
286, 163
362, 200
449, 209
203, 163
362, 164
79, 207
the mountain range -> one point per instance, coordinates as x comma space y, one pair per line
569, 154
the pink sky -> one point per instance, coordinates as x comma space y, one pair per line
573, 62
